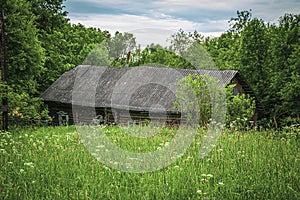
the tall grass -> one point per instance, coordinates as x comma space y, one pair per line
52, 163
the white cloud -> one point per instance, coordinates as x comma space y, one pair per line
202, 4
126, 22
147, 30
161, 18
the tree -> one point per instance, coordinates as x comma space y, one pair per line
156, 55
25, 55
201, 99
66, 48
224, 50
41, 45
237, 24
284, 60
203, 96
253, 50
50, 15
267, 55
193, 96
98, 56
119, 46
180, 42
289, 93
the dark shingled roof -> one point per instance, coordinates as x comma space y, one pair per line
135, 88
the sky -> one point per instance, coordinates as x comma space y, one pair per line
154, 21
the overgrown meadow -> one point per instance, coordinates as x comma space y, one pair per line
52, 163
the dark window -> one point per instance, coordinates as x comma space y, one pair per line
235, 90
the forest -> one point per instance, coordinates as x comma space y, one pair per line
41, 44
38, 161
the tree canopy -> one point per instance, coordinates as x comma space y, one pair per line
42, 44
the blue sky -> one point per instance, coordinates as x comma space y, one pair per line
154, 21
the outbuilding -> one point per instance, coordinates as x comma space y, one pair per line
88, 94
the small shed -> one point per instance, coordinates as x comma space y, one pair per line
126, 95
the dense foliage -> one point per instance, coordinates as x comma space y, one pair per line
239, 111
52, 162
42, 44
266, 54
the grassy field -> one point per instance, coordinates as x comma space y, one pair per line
52, 163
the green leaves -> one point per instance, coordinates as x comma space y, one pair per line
23, 108
200, 96
41, 45
268, 57
206, 94
240, 110
25, 55
98, 56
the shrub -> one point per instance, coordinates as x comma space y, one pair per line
24, 109
240, 108
201, 97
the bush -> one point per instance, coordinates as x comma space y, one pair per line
240, 108
24, 109
202, 98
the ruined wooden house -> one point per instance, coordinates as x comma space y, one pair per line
124, 95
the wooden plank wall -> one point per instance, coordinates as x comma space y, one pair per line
85, 115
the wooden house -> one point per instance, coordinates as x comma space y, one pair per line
125, 95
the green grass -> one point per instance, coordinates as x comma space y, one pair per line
52, 163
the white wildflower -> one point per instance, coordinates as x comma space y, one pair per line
29, 164
199, 191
